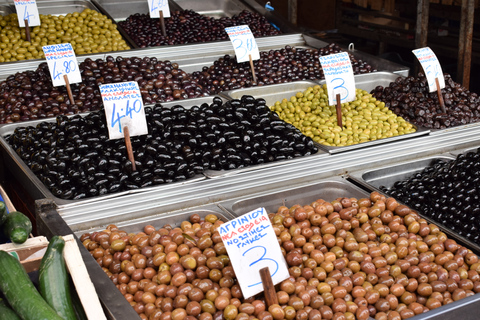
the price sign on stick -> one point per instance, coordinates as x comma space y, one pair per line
243, 42
62, 61
156, 5
123, 108
431, 67
339, 77
252, 245
27, 10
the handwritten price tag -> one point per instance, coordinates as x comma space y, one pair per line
243, 43
252, 245
431, 66
27, 10
339, 77
61, 61
156, 5
123, 107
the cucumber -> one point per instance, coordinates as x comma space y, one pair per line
17, 227
53, 279
3, 212
20, 292
7, 313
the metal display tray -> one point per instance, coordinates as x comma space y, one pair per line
57, 8
373, 179
38, 190
277, 92
213, 8
328, 189
115, 306
193, 57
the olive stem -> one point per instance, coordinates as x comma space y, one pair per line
440, 96
162, 24
128, 144
268, 287
339, 111
253, 68
27, 30
69, 90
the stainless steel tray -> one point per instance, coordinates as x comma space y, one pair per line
328, 189
373, 179
277, 92
57, 8
213, 8
38, 190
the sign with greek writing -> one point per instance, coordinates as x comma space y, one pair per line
338, 72
156, 5
123, 107
431, 67
252, 245
61, 61
27, 10
243, 43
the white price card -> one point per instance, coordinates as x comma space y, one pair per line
123, 107
338, 72
27, 10
155, 6
243, 43
252, 245
431, 66
62, 61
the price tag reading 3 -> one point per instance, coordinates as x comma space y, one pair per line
431, 67
156, 5
252, 245
123, 107
27, 10
339, 77
62, 61
243, 43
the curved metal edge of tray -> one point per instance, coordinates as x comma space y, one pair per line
288, 194
356, 177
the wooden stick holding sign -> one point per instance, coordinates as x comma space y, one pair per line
339, 111
253, 68
128, 144
340, 81
125, 113
440, 96
268, 287
162, 24
245, 46
433, 72
69, 89
27, 31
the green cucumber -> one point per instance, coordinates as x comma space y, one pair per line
53, 279
20, 292
6, 312
3, 212
17, 227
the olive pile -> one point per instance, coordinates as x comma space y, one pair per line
274, 66
88, 32
188, 26
411, 99
30, 95
74, 158
348, 259
448, 192
363, 119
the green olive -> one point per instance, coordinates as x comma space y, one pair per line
364, 119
